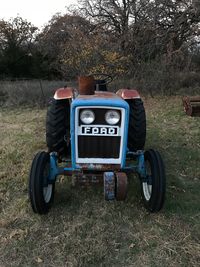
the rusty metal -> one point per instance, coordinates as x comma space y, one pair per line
87, 179
192, 105
86, 85
121, 186
100, 94
104, 94
128, 94
109, 185
99, 167
64, 93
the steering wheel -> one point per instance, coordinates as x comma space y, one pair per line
103, 76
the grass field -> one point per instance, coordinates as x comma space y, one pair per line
84, 230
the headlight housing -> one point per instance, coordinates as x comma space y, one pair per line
87, 116
112, 117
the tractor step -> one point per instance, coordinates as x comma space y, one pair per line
192, 105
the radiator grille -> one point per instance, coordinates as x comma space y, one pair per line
98, 146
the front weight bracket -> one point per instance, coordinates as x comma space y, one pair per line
109, 185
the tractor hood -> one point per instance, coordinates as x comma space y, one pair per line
87, 146
100, 94
100, 98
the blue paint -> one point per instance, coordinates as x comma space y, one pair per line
138, 167
141, 165
105, 102
66, 169
126, 124
53, 167
55, 170
72, 134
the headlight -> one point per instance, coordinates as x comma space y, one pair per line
87, 116
112, 117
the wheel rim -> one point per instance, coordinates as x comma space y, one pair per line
47, 188
147, 190
47, 192
147, 185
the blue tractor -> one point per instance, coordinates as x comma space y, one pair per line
97, 136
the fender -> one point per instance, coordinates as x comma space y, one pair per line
128, 94
64, 93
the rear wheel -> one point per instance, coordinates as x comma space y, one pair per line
154, 185
137, 125
58, 127
41, 191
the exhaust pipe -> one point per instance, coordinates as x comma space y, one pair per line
86, 85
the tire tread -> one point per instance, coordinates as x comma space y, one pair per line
36, 184
137, 125
58, 126
157, 199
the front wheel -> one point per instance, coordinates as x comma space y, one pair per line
41, 191
153, 186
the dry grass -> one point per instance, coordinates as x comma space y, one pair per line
37, 93
84, 230
29, 92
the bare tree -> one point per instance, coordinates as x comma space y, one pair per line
113, 15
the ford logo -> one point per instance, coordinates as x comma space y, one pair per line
100, 130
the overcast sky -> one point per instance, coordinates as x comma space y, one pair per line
38, 12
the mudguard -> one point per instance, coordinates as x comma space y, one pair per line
128, 93
64, 93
